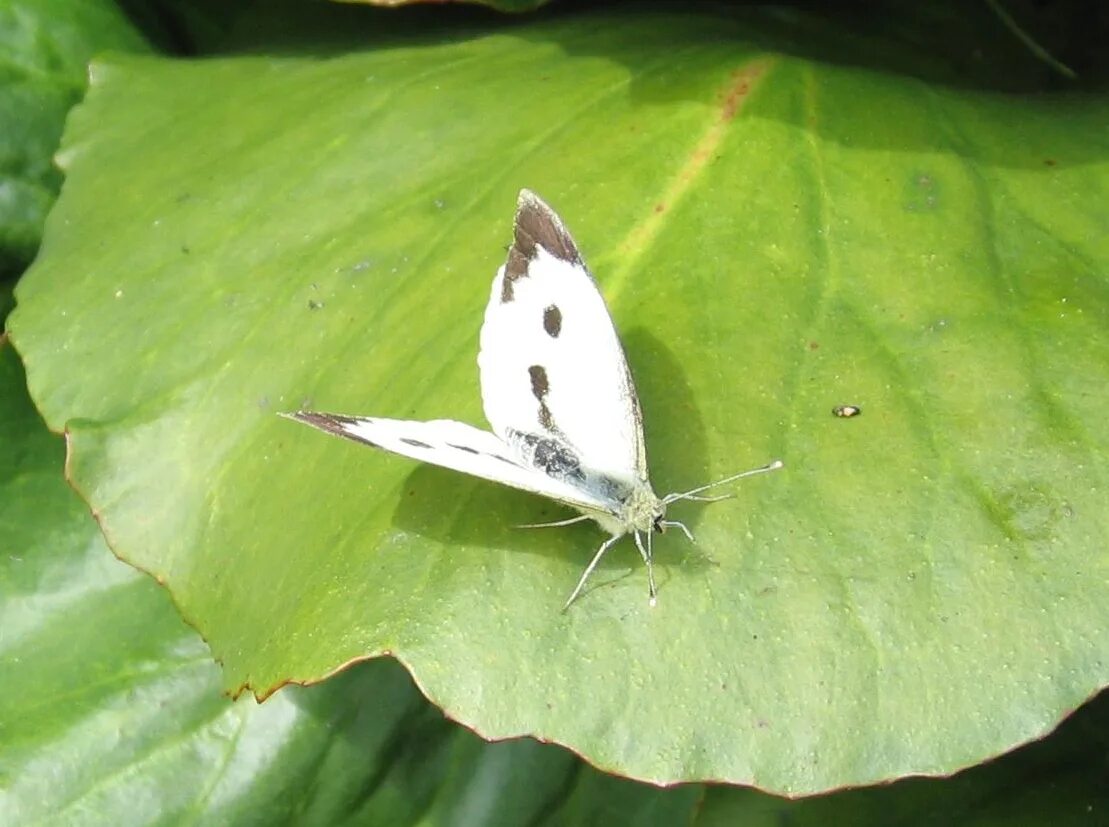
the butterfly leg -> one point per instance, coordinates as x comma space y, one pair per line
605, 546
682, 526
652, 592
570, 521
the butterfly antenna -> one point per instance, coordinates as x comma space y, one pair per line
774, 466
605, 546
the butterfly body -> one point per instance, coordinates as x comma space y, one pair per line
557, 391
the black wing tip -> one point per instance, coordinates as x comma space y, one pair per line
335, 424
332, 423
305, 416
538, 225
527, 198
530, 208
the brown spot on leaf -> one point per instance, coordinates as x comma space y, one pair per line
735, 95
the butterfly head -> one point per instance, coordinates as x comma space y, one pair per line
643, 511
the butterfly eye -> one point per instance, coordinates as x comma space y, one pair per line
659, 525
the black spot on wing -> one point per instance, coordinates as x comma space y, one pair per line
465, 448
516, 267
539, 383
333, 424
536, 225
552, 457
556, 460
415, 443
552, 321
540, 387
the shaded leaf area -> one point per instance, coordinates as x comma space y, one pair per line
1058, 781
112, 711
943, 41
1018, 44
499, 5
195, 27
44, 45
6, 302
923, 587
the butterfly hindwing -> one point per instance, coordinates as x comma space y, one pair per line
453, 445
551, 362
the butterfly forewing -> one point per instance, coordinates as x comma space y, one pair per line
551, 362
453, 445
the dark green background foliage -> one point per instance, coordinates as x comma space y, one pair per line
786, 208
45, 46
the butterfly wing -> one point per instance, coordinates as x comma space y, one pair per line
551, 363
453, 445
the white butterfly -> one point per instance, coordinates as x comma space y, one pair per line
557, 390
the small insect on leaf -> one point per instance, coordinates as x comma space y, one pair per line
846, 411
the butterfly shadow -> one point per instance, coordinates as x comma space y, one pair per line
451, 509
677, 446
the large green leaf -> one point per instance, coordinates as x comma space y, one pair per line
112, 713
111, 708
44, 45
1058, 781
922, 587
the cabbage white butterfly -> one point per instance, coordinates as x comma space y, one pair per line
557, 390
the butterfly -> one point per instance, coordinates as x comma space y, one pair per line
558, 393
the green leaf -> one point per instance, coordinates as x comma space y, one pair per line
44, 45
1058, 781
112, 712
924, 585
112, 709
